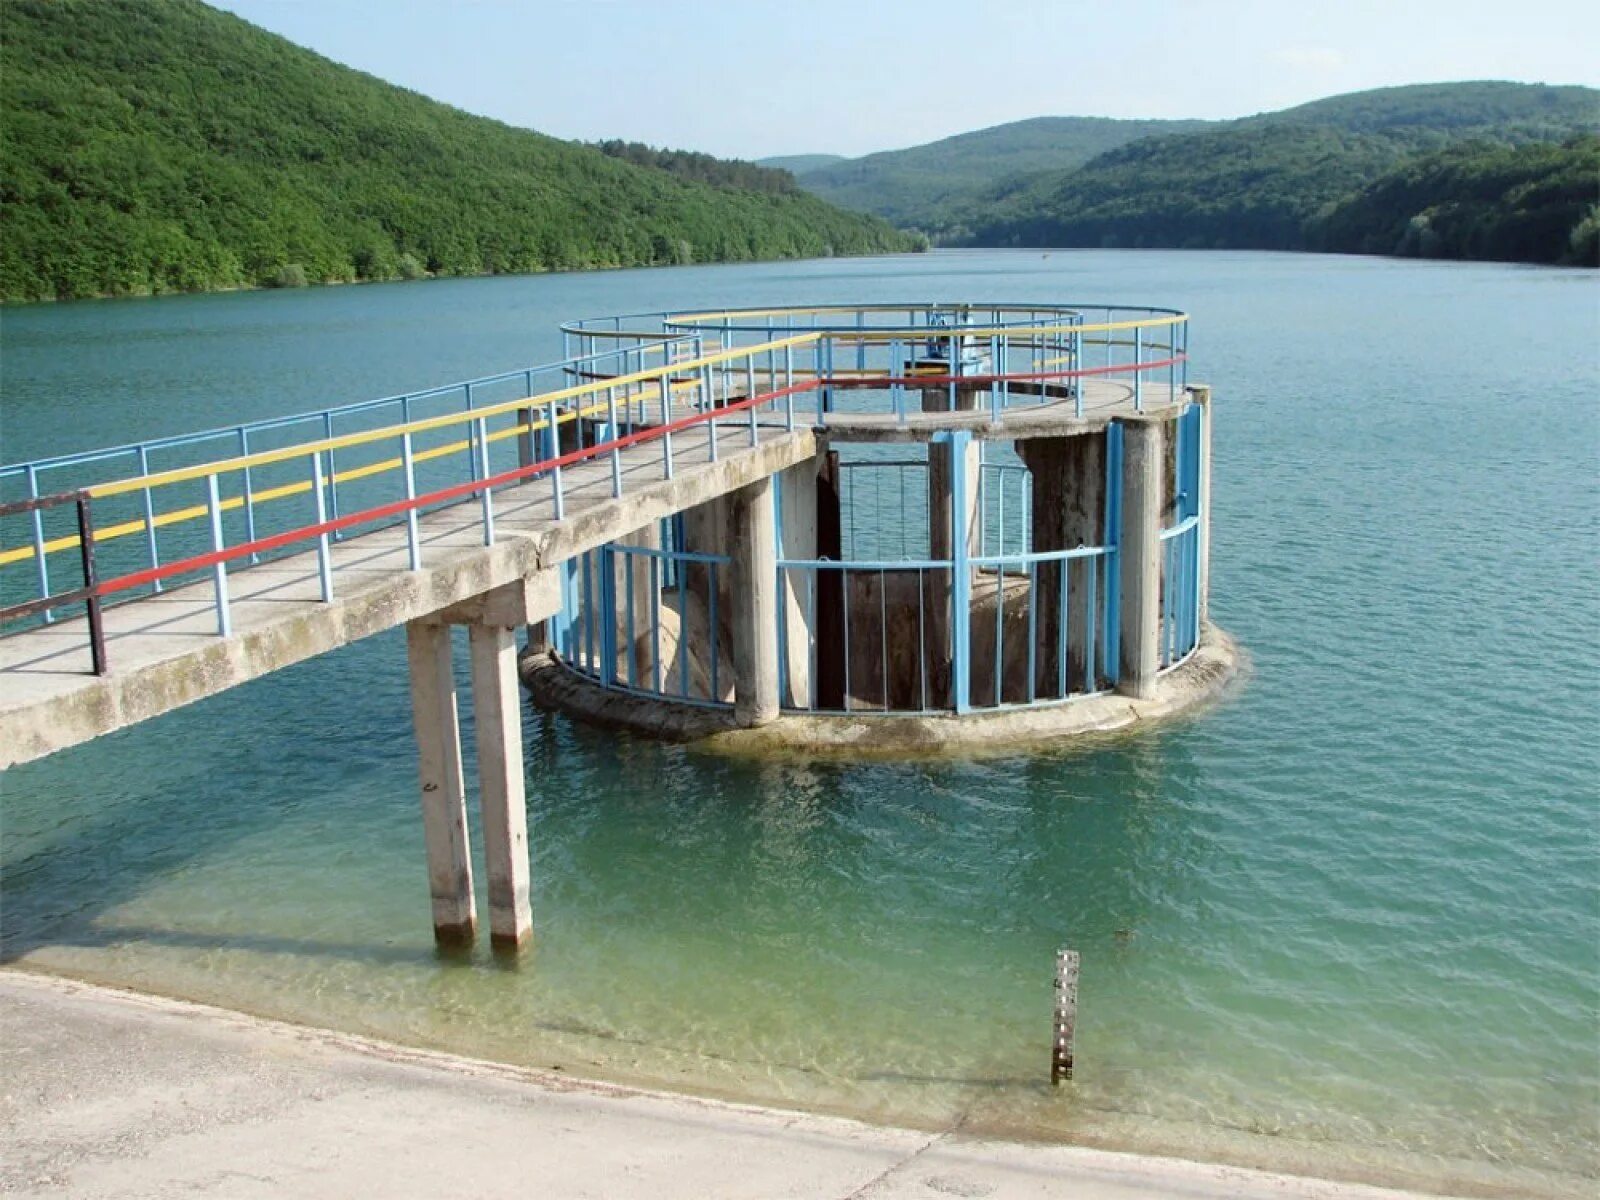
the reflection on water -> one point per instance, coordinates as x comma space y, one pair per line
1344, 921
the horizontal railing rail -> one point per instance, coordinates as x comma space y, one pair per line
662, 425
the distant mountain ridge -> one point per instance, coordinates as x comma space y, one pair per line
1264, 182
926, 187
799, 164
162, 145
1268, 181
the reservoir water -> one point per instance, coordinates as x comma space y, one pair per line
1347, 921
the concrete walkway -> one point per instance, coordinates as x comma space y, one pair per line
164, 648
107, 1093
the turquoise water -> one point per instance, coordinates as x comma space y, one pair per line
1347, 921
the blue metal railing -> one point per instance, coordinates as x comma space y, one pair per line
648, 620
1015, 354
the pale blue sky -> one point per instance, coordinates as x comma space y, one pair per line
749, 78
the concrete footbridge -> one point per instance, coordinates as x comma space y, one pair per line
685, 520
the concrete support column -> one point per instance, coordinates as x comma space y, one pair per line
755, 608
444, 810
1202, 397
947, 529
638, 641
1143, 445
1068, 475
797, 539
706, 530
502, 794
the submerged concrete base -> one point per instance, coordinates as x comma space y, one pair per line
1206, 675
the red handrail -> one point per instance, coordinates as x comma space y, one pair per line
455, 491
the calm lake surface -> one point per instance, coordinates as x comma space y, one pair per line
1348, 921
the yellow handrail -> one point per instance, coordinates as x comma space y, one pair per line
302, 449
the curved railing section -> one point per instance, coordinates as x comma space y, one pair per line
909, 361
650, 618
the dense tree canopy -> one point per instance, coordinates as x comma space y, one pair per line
1535, 203
1284, 180
161, 145
937, 187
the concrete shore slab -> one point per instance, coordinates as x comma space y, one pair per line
109, 1093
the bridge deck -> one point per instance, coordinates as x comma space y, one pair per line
164, 649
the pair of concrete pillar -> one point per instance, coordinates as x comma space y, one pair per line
502, 794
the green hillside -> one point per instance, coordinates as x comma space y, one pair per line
1435, 112
934, 187
799, 164
1531, 203
1264, 182
161, 145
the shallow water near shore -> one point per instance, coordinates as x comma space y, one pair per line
1347, 921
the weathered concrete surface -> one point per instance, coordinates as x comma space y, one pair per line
110, 1094
165, 651
1202, 678
502, 784
797, 539
1139, 552
755, 603
1104, 401
558, 688
440, 782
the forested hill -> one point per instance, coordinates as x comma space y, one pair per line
1532, 203
1270, 182
161, 145
934, 187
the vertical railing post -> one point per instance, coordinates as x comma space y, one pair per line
249, 494
527, 453
666, 419
897, 391
997, 369
558, 500
409, 466
333, 483
824, 359
219, 570
150, 518
751, 393
709, 405
616, 454
1075, 349
41, 566
480, 429
324, 560
1138, 375
788, 385
97, 635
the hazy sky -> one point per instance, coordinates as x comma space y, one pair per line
749, 78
